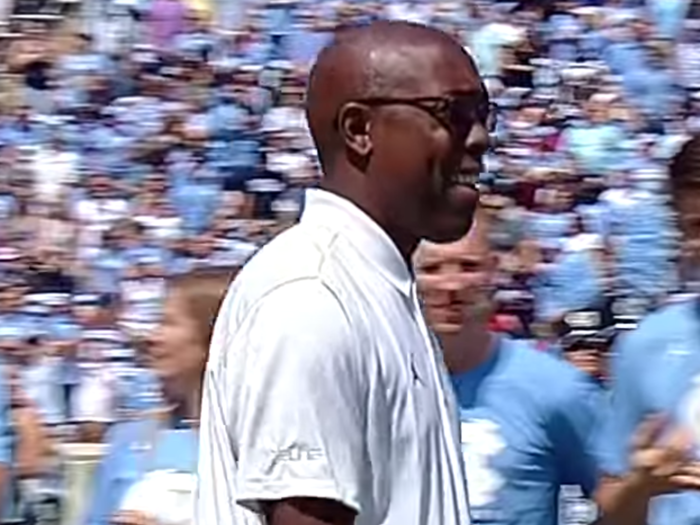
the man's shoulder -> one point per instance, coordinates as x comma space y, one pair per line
289, 274
526, 358
124, 433
304, 255
285, 299
670, 323
554, 389
542, 372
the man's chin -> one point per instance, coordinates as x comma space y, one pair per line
450, 235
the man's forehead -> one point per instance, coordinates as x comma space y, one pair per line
465, 248
426, 70
430, 252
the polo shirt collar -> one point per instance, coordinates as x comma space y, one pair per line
374, 244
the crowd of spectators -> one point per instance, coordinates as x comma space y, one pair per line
142, 139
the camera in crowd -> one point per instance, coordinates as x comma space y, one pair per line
586, 339
627, 312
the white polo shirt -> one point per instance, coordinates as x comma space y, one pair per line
323, 382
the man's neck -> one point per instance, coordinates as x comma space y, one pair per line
358, 195
468, 349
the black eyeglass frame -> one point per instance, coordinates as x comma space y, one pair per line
446, 109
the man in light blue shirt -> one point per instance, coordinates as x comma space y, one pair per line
593, 141
668, 16
527, 418
656, 370
625, 52
653, 88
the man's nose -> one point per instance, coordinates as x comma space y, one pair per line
436, 284
476, 142
452, 284
446, 288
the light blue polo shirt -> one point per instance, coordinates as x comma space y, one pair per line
656, 370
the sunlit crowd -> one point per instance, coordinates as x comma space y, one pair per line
141, 141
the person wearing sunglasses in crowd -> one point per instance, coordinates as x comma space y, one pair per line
147, 476
527, 417
325, 400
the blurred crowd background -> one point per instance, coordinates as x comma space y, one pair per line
143, 138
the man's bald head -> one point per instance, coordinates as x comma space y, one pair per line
399, 116
382, 59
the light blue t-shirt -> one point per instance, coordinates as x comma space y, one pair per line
656, 370
593, 145
136, 447
549, 226
526, 423
668, 15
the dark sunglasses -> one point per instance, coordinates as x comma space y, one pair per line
458, 113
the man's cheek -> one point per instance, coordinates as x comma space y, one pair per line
429, 292
431, 316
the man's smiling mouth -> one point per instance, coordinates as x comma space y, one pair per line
465, 178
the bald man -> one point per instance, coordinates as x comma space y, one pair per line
325, 399
529, 421
520, 442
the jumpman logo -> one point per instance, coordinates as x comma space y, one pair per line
414, 371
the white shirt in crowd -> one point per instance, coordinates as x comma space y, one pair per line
94, 398
323, 382
284, 118
95, 216
40, 382
141, 305
583, 242
287, 163
409, 12
161, 227
53, 171
688, 63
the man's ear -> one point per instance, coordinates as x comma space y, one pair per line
354, 124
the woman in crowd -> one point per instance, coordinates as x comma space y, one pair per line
148, 473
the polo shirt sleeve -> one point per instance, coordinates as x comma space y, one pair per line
302, 415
